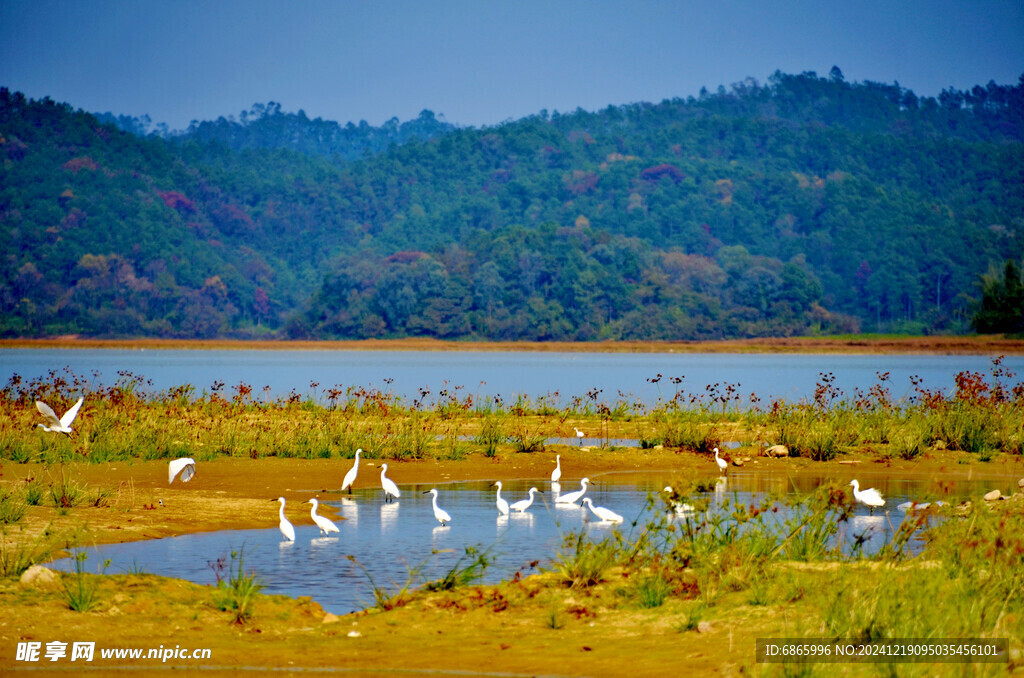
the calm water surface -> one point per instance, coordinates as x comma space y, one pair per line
791, 377
402, 542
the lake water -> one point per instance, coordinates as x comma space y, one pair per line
401, 541
791, 377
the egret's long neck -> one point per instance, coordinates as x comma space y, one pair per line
280, 511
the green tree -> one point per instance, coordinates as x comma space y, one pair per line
1002, 302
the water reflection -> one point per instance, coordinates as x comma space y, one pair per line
388, 516
417, 549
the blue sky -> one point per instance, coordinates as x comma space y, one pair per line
479, 62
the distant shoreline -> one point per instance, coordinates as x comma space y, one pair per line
963, 345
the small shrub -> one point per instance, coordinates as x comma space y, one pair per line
12, 508
652, 590
80, 589
584, 563
239, 592
462, 574
15, 559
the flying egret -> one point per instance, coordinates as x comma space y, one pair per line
870, 497
573, 497
606, 515
579, 435
325, 524
557, 473
61, 425
350, 477
390, 489
286, 527
680, 509
186, 466
501, 503
524, 504
439, 513
723, 465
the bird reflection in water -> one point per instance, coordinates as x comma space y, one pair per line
388, 516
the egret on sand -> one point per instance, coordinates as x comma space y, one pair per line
325, 524
870, 497
573, 497
604, 514
286, 527
61, 425
390, 489
499, 502
439, 513
524, 504
350, 477
557, 473
186, 466
723, 465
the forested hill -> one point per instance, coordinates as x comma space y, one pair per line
806, 205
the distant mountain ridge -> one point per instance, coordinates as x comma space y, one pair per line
266, 126
806, 205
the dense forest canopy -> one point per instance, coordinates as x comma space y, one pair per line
804, 205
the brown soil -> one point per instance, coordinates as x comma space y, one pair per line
483, 630
984, 345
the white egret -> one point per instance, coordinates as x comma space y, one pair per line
186, 466
287, 529
604, 514
325, 524
390, 489
680, 509
524, 504
579, 435
573, 497
350, 477
911, 506
439, 513
557, 473
870, 497
723, 465
61, 425
499, 502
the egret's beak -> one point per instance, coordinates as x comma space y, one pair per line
427, 492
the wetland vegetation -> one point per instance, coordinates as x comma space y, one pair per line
693, 592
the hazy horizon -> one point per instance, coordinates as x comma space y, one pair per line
479, 64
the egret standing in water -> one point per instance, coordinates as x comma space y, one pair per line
870, 497
573, 497
325, 524
499, 502
61, 425
606, 515
723, 465
678, 508
186, 466
350, 477
287, 529
524, 504
557, 473
439, 513
579, 435
390, 489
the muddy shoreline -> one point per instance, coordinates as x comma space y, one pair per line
953, 345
